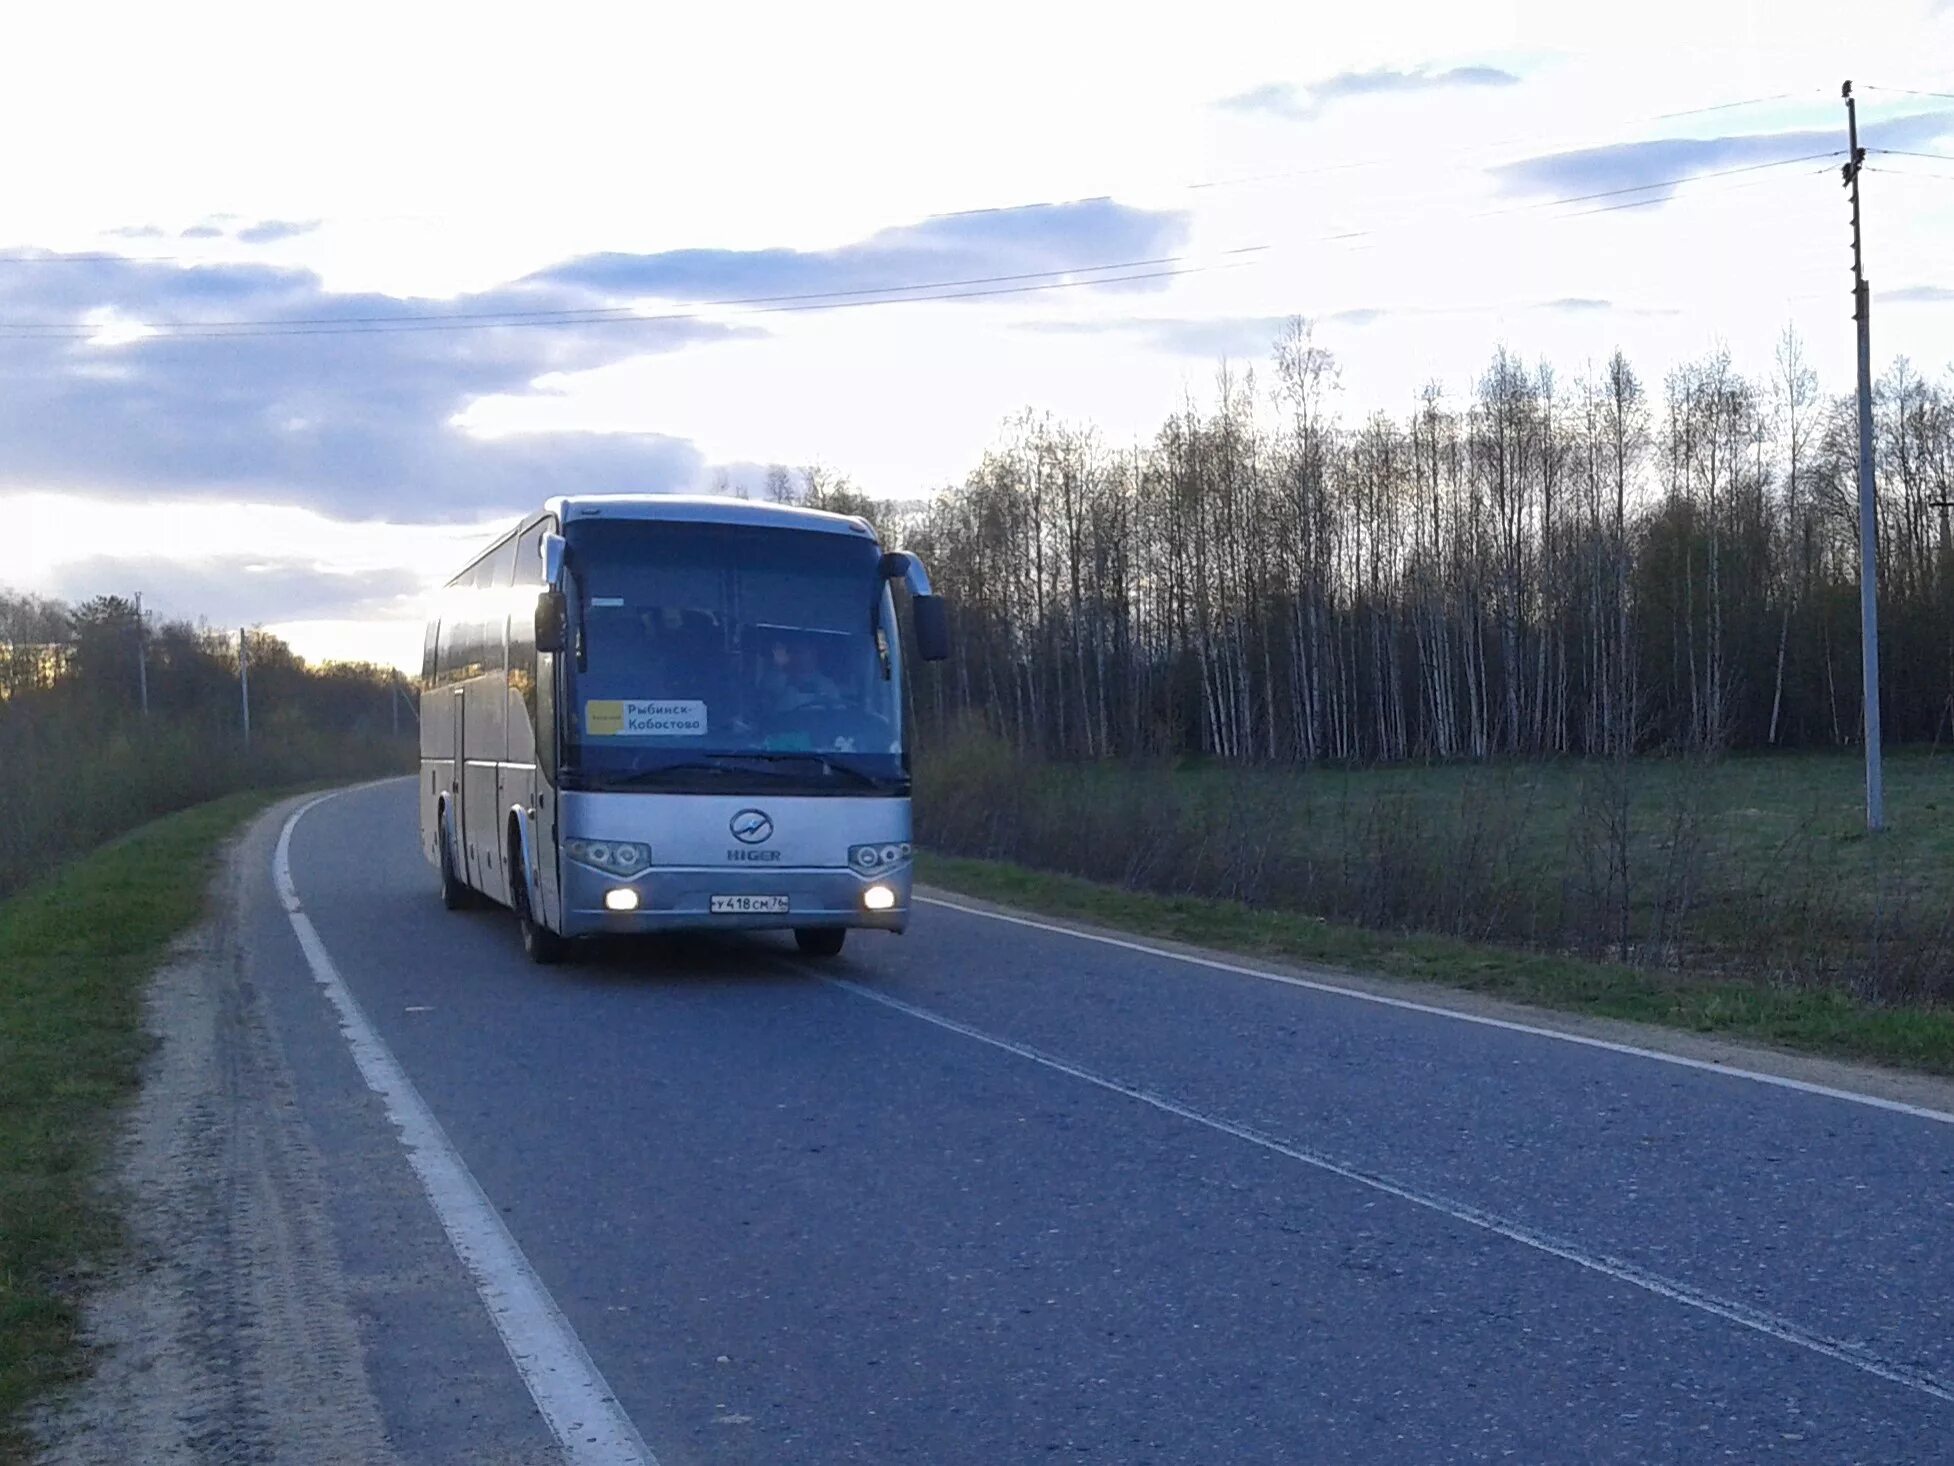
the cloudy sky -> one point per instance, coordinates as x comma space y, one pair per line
297, 302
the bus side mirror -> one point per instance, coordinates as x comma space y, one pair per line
552, 621
932, 628
553, 550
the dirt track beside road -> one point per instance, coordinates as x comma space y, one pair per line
224, 1335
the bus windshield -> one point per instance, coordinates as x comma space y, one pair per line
709, 655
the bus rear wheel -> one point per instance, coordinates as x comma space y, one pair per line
820, 941
455, 893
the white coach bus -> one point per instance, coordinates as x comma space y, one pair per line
651, 712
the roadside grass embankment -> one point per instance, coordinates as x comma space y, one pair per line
1740, 897
75, 949
70, 779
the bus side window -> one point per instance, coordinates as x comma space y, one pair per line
484, 636
529, 554
500, 567
449, 650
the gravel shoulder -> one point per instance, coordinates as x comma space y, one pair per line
225, 1334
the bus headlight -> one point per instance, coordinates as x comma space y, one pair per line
616, 857
866, 858
620, 898
878, 898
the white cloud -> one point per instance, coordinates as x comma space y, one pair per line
336, 585
1295, 103
807, 130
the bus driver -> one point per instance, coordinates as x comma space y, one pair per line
793, 679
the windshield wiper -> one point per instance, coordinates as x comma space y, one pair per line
828, 766
767, 763
654, 772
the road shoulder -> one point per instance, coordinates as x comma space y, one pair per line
225, 1333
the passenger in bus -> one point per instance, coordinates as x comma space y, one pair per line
691, 653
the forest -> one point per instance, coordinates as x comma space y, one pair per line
1555, 564
1497, 667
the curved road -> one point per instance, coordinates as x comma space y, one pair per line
993, 1192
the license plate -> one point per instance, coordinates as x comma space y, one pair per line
749, 905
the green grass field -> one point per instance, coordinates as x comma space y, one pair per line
1757, 864
74, 951
1755, 809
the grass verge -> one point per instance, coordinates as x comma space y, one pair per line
1822, 1021
1756, 866
74, 950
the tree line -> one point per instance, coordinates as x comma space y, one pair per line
1550, 565
102, 657
82, 760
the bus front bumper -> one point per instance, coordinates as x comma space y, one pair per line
682, 899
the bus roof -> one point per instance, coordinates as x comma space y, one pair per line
704, 509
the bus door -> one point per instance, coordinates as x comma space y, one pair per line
457, 802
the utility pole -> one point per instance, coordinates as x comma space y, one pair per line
142, 658
400, 692
244, 682
1868, 508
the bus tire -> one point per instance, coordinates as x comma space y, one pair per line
455, 892
820, 941
539, 944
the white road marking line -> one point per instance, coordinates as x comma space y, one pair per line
1851, 1096
577, 1405
1619, 1269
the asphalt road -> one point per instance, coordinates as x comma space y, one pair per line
991, 1193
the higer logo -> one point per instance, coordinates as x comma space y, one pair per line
753, 857
752, 826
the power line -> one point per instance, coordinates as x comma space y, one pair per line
811, 301
1607, 193
1425, 224
586, 315
1746, 102
1491, 144
405, 326
1911, 153
1649, 203
1912, 173
920, 292
1909, 91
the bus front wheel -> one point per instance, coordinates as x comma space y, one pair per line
539, 944
820, 941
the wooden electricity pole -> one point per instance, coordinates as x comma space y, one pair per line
1868, 507
142, 659
244, 682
